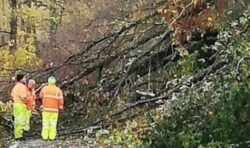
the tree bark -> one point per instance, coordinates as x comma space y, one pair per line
13, 25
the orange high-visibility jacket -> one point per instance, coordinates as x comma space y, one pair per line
52, 98
19, 92
31, 99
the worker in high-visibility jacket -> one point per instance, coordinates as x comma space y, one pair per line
30, 102
52, 103
19, 96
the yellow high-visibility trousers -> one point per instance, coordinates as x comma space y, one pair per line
27, 121
19, 112
49, 122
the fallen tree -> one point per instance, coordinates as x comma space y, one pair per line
138, 58
217, 68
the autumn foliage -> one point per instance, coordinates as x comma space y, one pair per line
187, 16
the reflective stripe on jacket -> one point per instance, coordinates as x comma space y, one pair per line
52, 98
19, 92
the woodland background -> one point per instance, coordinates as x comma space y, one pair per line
135, 73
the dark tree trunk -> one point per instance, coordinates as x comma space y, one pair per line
13, 24
52, 28
29, 27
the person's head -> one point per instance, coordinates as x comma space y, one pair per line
21, 78
31, 84
51, 80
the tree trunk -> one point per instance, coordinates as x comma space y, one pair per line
52, 26
2, 21
13, 24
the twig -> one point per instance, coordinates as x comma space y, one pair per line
240, 62
162, 38
4, 31
180, 15
195, 79
4, 44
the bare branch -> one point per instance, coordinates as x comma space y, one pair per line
4, 31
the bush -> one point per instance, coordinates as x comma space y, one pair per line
214, 116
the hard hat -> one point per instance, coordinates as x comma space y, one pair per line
51, 80
32, 82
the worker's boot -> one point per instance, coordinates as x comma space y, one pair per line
11, 122
26, 134
21, 139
